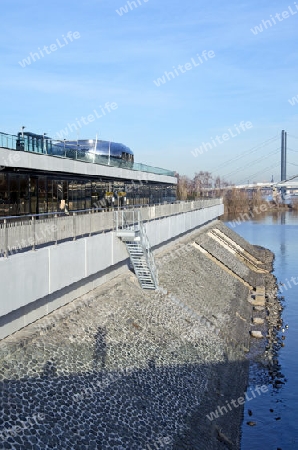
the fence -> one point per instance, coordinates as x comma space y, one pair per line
29, 232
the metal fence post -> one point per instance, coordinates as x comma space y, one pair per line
56, 229
33, 232
74, 226
90, 223
5, 238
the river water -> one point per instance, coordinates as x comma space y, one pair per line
276, 411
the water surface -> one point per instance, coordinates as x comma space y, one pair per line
276, 412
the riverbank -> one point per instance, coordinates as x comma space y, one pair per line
275, 413
122, 368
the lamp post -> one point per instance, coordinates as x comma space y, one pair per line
109, 160
43, 143
95, 148
20, 144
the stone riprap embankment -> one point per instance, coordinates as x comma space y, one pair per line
123, 368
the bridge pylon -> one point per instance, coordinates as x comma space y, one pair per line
283, 168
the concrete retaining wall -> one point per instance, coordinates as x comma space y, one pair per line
137, 369
38, 282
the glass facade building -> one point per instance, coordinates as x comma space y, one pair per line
32, 189
27, 192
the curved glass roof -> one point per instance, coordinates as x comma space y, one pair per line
100, 147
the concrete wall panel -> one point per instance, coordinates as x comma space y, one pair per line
98, 252
41, 281
23, 277
67, 264
119, 249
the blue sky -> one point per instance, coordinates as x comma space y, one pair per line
117, 58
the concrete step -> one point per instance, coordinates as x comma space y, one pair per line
221, 265
237, 246
259, 300
236, 250
137, 245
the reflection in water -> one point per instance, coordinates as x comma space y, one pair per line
282, 235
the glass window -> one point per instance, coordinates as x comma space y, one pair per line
24, 194
81, 195
88, 195
4, 204
73, 196
42, 195
33, 192
14, 194
50, 196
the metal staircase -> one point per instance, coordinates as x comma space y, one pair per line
130, 228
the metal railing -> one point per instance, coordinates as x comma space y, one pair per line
23, 233
159, 211
10, 142
132, 221
126, 219
147, 251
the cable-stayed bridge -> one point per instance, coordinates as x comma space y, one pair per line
260, 186
281, 159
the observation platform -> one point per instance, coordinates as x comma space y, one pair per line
78, 163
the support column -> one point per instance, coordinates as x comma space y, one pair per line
282, 159
285, 156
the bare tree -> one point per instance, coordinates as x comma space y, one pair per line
194, 188
183, 187
217, 182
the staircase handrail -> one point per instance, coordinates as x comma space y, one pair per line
147, 249
122, 220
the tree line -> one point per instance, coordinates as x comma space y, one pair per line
193, 188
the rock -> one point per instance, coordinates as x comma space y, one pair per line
223, 438
258, 301
259, 308
258, 321
256, 334
116, 352
251, 423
